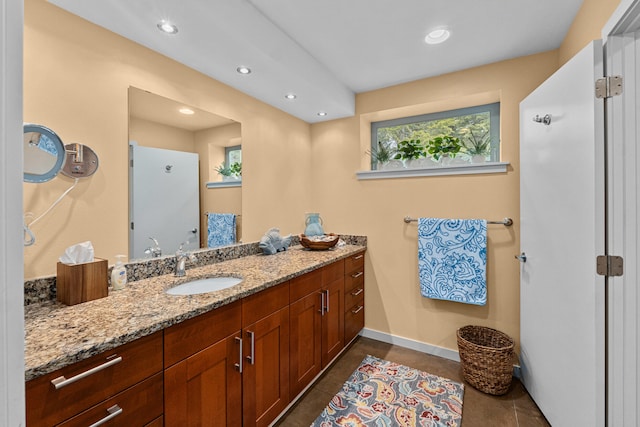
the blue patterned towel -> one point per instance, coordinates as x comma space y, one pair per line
221, 229
452, 259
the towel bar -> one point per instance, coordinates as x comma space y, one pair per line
507, 222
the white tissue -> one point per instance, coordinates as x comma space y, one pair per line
78, 254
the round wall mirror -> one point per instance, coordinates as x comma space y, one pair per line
44, 153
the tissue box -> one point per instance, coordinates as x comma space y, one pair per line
79, 283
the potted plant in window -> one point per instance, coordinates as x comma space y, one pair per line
236, 170
444, 148
381, 155
409, 151
230, 173
477, 147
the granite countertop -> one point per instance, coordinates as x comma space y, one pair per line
57, 335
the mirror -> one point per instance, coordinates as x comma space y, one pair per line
44, 153
171, 133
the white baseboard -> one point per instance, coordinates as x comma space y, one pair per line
411, 344
433, 350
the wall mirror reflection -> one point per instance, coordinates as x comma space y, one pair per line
174, 151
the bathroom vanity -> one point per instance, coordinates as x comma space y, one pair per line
238, 356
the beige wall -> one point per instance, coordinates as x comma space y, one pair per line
586, 26
377, 207
76, 78
156, 135
210, 144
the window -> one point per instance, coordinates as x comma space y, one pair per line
474, 126
233, 154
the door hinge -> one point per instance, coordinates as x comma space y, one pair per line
607, 87
609, 265
132, 225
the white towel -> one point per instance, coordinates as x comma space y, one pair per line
452, 259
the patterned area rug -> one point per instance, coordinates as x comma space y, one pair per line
383, 393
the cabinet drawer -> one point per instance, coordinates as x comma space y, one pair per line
332, 272
191, 336
354, 263
353, 322
264, 303
353, 280
93, 380
353, 297
135, 407
302, 286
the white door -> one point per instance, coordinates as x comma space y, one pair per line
562, 232
623, 222
164, 200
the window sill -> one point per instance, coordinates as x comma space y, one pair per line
463, 169
225, 184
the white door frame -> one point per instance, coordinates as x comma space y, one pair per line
12, 406
622, 55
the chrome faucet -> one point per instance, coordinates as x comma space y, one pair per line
181, 260
155, 250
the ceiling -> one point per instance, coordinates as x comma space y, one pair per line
149, 106
326, 51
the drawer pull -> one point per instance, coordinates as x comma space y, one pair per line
114, 411
357, 310
60, 382
356, 293
358, 274
358, 257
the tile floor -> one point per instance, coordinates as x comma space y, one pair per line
514, 409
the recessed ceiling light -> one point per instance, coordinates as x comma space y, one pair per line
167, 27
186, 111
290, 96
243, 70
437, 36
322, 113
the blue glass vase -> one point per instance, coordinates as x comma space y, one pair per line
313, 225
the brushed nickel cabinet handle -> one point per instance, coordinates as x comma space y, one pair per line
113, 411
239, 364
327, 301
358, 257
61, 381
252, 357
357, 310
356, 293
358, 274
322, 303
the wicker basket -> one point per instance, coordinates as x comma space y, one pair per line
319, 246
486, 356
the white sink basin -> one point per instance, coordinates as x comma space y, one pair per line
202, 286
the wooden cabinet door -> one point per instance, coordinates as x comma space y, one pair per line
305, 343
333, 320
205, 389
266, 369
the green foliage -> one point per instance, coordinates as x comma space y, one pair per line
382, 153
410, 150
477, 145
457, 127
234, 170
443, 145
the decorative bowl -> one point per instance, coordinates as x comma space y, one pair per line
328, 241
